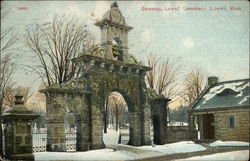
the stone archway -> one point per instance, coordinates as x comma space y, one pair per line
131, 110
86, 96
101, 73
127, 79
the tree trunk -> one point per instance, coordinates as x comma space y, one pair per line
105, 116
105, 122
116, 119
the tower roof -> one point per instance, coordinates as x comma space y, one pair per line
114, 16
114, 4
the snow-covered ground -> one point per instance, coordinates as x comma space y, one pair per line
109, 154
179, 147
111, 137
103, 154
178, 124
228, 143
227, 156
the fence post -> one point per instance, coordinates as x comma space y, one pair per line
18, 136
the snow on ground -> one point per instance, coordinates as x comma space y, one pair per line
179, 147
111, 137
228, 156
103, 154
229, 143
109, 154
178, 124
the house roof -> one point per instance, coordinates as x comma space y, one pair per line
224, 95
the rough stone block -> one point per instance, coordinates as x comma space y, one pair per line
18, 140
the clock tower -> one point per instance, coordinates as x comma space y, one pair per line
114, 34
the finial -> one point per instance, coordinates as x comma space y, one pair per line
114, 4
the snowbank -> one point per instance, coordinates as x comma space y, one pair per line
228, 156
229, 143
103, 154
179, 147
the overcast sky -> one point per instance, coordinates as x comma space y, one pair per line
217, 41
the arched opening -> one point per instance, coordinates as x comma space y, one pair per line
117, 48
116, 119
70, 124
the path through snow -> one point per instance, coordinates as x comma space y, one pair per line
228, 156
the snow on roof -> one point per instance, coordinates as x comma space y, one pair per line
225, 94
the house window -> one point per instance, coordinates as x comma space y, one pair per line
231, 122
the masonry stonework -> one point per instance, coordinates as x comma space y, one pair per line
222, 131
18, 132
241, 130
102, 71
177, 133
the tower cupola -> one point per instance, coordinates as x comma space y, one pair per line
114, 34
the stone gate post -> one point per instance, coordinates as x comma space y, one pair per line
135, 129
55, 130
55, 106
159, 118
147, 137
18, 132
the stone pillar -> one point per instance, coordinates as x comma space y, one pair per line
83, 129
147, 137
134, 128
55, 119
18, 132
159, 118
96, 129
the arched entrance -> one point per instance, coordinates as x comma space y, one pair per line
115, 119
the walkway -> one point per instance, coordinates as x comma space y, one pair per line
210, 150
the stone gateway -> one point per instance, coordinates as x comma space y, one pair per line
106, 68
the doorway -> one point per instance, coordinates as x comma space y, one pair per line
208, 126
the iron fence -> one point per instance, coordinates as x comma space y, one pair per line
124, 138
39, 139
71, 141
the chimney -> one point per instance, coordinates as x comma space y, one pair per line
212, 80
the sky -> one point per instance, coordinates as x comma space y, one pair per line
215, 40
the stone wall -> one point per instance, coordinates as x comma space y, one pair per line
241, 130
177, 133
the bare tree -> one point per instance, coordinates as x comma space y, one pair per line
116, 105
193, 86
54, 45
163, 76
8, 39
195, 82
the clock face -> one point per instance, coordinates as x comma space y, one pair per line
116, 15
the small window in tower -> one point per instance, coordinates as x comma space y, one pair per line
231, 122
